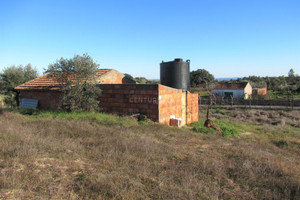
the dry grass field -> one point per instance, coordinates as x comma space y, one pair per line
52, 155
263, 117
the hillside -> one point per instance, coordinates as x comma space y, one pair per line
51, 155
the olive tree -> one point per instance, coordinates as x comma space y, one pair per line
201, 77
77, 77
13, 76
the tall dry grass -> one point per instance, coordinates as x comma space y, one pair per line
46, 158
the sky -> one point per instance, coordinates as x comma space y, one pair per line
228, 38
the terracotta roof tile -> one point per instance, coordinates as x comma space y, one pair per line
230, 86
45, 82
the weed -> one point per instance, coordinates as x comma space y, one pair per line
228, 129
199, 127
281, 143
28, 111
220, 111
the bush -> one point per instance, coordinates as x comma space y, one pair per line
227, 129
198, 127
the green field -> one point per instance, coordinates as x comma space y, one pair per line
59, 155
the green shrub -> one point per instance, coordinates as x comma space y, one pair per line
227, 129
201, 129
28, 111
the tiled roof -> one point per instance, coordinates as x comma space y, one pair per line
230, 86
46, 82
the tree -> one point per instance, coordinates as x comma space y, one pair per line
209, 123
129, 77
291, 73
139, 80
255, 81
13, 76
200, 77
78, 77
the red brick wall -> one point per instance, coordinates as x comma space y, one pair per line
47, 99
183, 105
127, 99
260, 91
170, 103
192, 108
158, 102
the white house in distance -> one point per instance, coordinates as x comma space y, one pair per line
235, 90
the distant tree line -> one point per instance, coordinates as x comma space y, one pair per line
201, 78
140, 80
281, 83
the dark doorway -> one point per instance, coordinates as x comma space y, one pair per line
228, 95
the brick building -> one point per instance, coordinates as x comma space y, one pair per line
259, 91
158, 102
242, 90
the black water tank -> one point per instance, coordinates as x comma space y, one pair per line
176, 74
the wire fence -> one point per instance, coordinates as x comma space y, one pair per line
219, 101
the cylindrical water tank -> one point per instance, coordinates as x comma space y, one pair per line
176, 74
